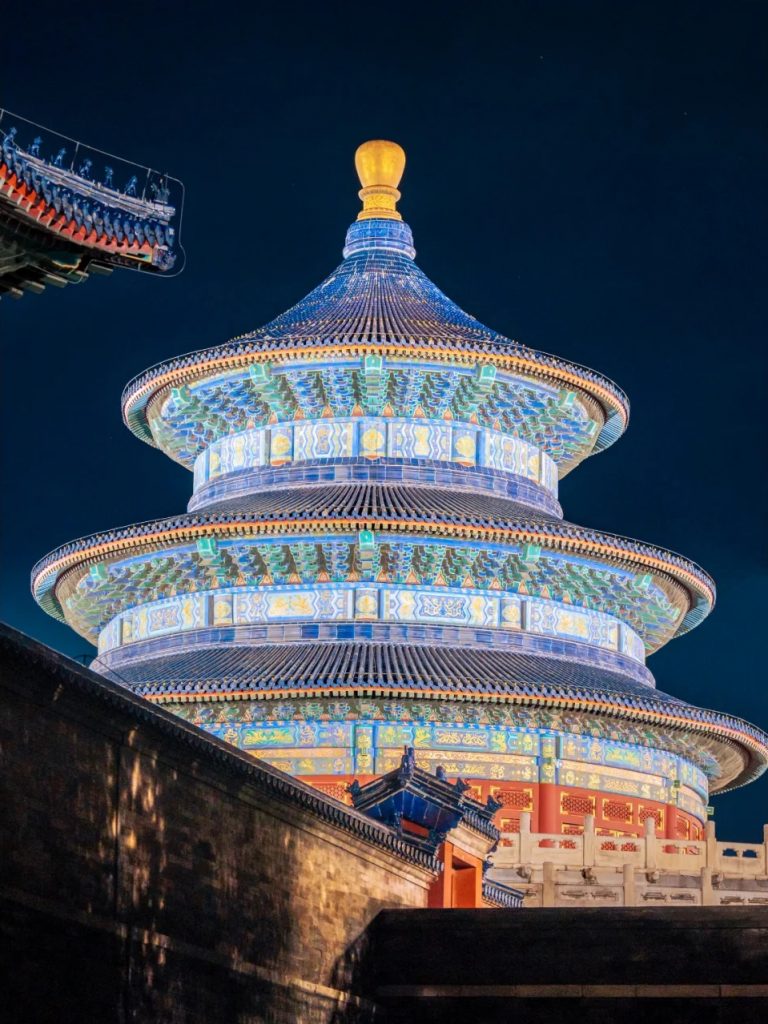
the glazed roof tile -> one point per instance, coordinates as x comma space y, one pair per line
391, 508
381, 299
383, 499
369, 669
372, 667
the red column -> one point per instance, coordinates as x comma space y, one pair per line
670, 830
549, 810
440, 890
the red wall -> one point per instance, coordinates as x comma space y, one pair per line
559, 809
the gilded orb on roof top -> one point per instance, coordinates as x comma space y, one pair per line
380, 165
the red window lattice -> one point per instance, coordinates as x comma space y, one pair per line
334, 789
520, 798
570, 804
649, 812
682, 828
573, 830
629, 847
510, 825
617, 810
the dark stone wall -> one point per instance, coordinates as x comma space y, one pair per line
591, 966
150, 873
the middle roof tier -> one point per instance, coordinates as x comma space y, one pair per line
414, 539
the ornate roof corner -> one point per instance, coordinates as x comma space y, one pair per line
67, 211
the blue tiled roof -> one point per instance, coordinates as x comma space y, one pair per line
383, 499
516, 494
380, 296
499, 895
371, 501
377, 667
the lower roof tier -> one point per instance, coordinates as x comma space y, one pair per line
619, 773
515, 727
409, 537
426, 675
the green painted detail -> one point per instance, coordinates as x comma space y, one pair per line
366, 540
369, 562
531, 553
207, 546
182, 397
306, 559
373, 364
472, 391
372, 383
274, 390
457, 565
278, 561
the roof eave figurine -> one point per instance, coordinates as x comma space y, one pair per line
63, 214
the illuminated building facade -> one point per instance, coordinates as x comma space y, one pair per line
374, 557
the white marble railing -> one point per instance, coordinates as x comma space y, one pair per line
589, 869
648, 851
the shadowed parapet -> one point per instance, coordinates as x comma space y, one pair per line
704, 964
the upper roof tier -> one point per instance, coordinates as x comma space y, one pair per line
309, 362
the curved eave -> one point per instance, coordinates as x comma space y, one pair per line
300, 679
552, 534
504, 355
34, 210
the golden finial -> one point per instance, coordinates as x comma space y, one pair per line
379, 165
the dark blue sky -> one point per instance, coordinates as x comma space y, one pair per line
586, 177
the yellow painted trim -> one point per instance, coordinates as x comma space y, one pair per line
404, 692
283, 527
188, 374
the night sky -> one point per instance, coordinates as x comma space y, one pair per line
588, 178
